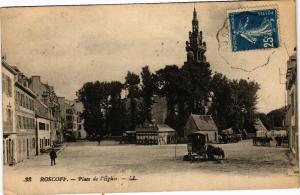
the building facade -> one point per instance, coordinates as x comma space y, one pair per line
24, 117
46, 94
292, 112
154, 134
71, 117
43, 123
81, 133
204, 124
8, 113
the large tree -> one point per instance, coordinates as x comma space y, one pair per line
222, 106
234, 102
116, 110
199, 74
94, 99
174, 84
147, 92
132, 81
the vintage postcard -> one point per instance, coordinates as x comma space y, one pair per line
149, 97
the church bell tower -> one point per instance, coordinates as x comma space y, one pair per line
195, 47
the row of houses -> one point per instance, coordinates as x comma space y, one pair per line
34, 117
292, 111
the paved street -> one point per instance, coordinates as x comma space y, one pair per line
154, 167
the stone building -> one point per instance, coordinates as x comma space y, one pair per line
62, 106
8, 113
154, 134
292, 112
204, 124
80, 133
43, 122
46, 94
156, 131
24, 117
69, 118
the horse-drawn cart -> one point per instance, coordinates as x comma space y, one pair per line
262, 138
198, 148
281, 138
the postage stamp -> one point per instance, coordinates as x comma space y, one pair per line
254, 29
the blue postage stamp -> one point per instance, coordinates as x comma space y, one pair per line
254, 29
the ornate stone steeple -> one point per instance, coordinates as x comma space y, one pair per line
195, 47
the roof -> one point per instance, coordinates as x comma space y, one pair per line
8, 67
198, 133
259, 126
25, 89
204, 122
154, 128
165, 128
128, 132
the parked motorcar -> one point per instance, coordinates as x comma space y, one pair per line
198, 148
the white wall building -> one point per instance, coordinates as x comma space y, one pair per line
8, 113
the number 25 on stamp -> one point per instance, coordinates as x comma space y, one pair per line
254, 29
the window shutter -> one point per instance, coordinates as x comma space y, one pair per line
3, 83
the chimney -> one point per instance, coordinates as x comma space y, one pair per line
35, 82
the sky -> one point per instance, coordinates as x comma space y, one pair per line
70, 45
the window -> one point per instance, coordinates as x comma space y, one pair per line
3, 83
19, 122
32, 123
69, 118
31, 104
69, 126
42, 126
24, 123
79, 127
20, 145
9, 87
22, 100
28, 123
292, 103
26, 102
18, 98
9, 116
24, 146
69, 111
33, 143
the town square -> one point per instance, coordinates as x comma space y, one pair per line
149, 162
149, 97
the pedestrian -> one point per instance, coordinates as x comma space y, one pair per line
99, 138
53, 156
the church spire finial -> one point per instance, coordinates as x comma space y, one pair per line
195, 13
